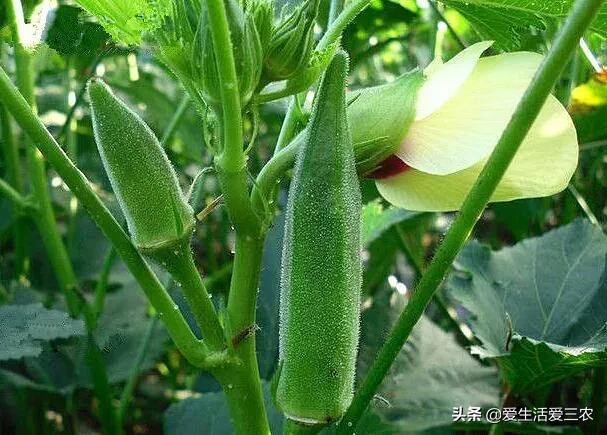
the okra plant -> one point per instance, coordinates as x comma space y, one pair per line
171, 246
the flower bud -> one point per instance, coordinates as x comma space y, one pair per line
262, 12
143, 179
248, 55
380, 117
292, 43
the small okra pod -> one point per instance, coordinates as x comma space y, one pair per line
142, 177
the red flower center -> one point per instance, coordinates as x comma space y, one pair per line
389, 168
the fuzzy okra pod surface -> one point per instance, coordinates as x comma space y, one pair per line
142, 177
321, 277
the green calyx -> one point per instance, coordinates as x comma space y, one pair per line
142, 177
380, 117
292, 43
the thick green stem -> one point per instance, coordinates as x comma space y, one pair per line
336, 7
527, 111
231, 162
186, 341
241, 382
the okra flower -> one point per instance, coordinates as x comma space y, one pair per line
460, 112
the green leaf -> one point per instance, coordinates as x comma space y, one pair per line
26, 327
70, 35
126, 21
121, 329
209, 414
377, 219
507, 20
431, 374
548, 294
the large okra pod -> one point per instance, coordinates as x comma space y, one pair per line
321, 276
143, 179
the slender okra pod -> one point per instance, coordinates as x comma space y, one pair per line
321, 278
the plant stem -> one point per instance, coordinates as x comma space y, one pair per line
15, 178
45, 218
336, 7
102, 282
593, 145
127, 392
289, 124
174, 122
193, 349
231, 163
79, 96
527, 111
103, 392
583, 204
15, 197
180, 265
352, 9
241, 383
270, 175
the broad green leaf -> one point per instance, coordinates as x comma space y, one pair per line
507, 20
377, 219
209, 414
126, 21
26, 327
539, 307
431, 375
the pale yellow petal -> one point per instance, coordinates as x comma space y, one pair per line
543, 166
468, 126
444, 79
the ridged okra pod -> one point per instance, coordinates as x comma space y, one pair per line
321, 276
